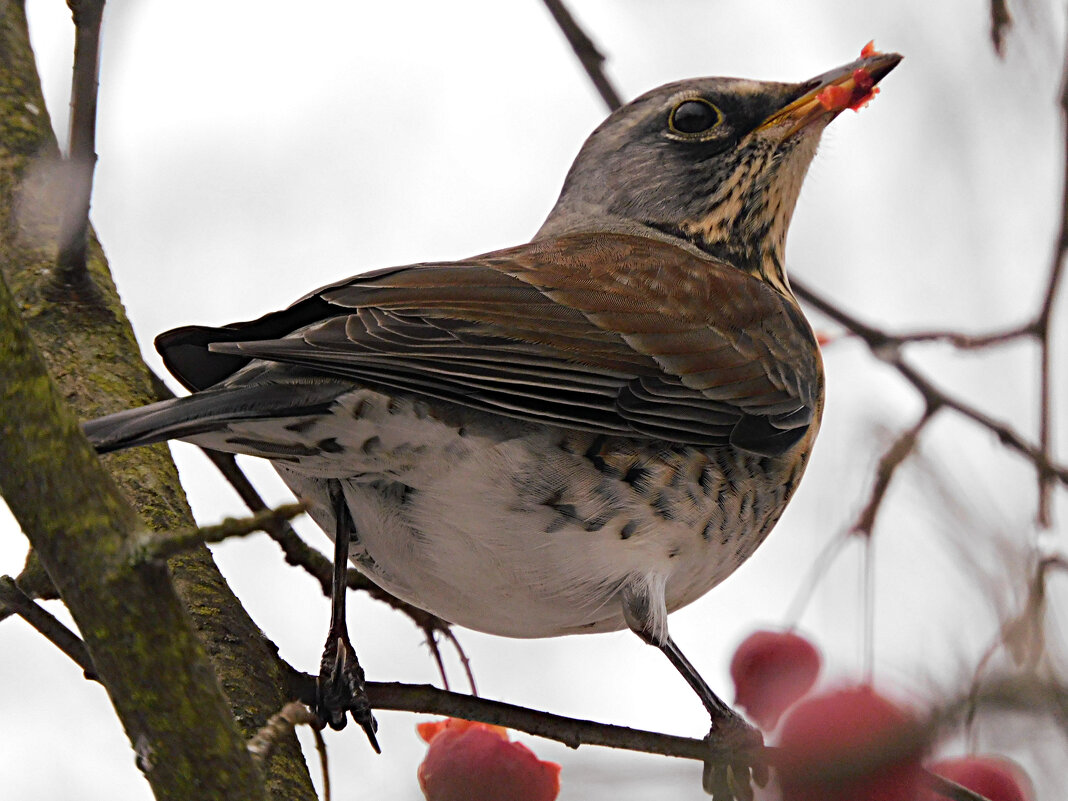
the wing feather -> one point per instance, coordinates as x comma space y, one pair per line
612, 333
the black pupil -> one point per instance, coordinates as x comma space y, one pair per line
694, 116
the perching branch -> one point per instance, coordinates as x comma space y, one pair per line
1009, 694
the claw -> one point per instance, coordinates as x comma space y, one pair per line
341, 691
733, 780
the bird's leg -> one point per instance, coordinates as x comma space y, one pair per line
721, 714
340, 687
726, 780
735, 747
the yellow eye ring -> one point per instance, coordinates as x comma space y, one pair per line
693, 118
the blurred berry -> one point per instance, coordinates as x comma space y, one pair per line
470, 761
850, 745
771, 670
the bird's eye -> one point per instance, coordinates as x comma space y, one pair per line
694, 117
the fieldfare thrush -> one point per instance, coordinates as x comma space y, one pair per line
577, 434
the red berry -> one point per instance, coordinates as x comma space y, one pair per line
476, 762
994, 777
850, 745
771, 670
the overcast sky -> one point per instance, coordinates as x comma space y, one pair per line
250, 152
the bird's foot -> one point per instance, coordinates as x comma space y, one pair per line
340, 690
737, 759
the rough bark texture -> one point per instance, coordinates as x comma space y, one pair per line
76, 518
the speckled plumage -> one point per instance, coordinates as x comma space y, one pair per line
523, 530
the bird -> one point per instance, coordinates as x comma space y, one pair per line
582, 433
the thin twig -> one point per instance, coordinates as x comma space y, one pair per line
1005, 434
886, 347
34, 583
299, 554
435, 650
1045, 315
967, 341
41, 619
462, 654
590, 57
280, 530
816, 572
324, 764
1000, 23
81, 160
281, 724
888, 465
1020, 635
151, 546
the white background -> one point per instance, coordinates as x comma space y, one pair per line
250, 152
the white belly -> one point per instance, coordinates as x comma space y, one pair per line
521, 530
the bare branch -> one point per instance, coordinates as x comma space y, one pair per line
1006, 435
1042, 322
569, 731
591, 58
277, 726
462, 654
140, 639
966, 341
1027, 694
1000, 22
151, 545
886, 347
71, 269
41, 619
299, 554
888, 464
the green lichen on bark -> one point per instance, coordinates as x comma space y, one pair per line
96, 367
138, 634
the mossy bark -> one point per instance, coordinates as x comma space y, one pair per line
166, 694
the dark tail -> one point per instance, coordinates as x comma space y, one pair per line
211, 410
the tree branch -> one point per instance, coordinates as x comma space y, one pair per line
95, 361
888, 465
137, 634
588, 55
1000, 23
149, 546
71, 271
46, 624
1045, 315
886, 348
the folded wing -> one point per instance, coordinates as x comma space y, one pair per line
609, 333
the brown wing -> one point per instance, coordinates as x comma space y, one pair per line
611, 333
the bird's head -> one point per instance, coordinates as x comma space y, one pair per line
717, 162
